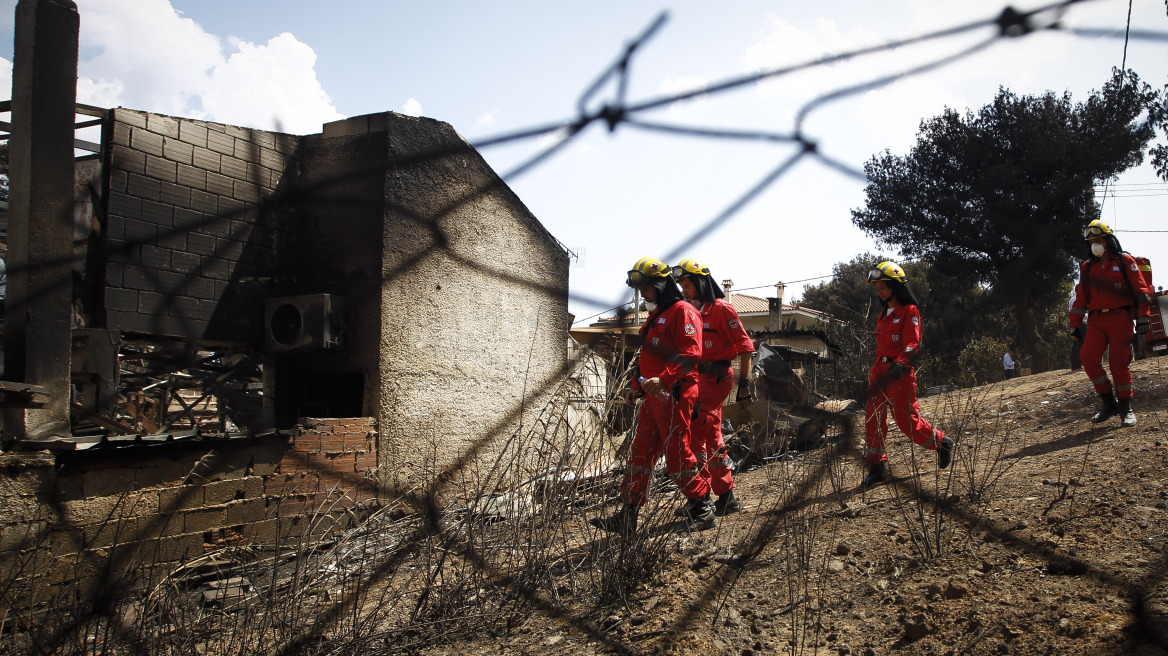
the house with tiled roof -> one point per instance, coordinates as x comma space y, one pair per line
756, 312
798, 333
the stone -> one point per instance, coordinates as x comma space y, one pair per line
956, 589
915, 627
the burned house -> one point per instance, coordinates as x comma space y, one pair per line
369, 308
378, 269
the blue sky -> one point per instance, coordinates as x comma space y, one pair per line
491, 68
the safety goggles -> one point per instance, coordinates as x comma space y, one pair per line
876, 274
1093, 231
635, 278
678, 272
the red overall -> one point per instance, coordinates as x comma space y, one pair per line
723, 339
1115, 294
670, 348
898, 334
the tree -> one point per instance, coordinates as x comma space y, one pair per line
999, 198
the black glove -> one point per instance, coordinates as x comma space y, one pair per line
743, 391
1143, 325
896, 371
1077, 333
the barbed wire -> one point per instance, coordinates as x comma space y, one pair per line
619, 111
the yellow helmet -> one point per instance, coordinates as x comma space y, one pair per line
690, 267
886, 271
646, 269
1097, 228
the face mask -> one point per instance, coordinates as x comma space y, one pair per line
650, 306
1097, 249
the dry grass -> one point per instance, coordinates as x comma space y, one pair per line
515, 546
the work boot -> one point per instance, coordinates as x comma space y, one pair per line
701, 514
1126, 416
1110, 408
945, 452
623, 521
875, 475
726, 504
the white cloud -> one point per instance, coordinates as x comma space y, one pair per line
172, 66
272, 85
103, 93
412, 107
486, 119
786, 44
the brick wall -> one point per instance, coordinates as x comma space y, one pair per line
328, 455
191, 241
84, 518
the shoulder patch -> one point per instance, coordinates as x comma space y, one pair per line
916, 321
689, 329
733, 323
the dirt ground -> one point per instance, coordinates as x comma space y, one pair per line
1048, 535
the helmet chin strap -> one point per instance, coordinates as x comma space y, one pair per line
668, 292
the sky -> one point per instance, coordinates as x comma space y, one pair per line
611, 197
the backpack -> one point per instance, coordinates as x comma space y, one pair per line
1145, 270
1144, 266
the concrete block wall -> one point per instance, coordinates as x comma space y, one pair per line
483, 348
191, 246
73, 523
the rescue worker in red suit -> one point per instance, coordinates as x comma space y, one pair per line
723, 339
666, 378
1111, 293
892, 383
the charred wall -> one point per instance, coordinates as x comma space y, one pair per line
192, 240
75, 522
454, 295
339, 206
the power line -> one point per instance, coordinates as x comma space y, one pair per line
792, 282
1139, 184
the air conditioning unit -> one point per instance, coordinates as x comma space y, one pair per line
312, 321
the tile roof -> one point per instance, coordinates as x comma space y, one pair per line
627, 318
744, 303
